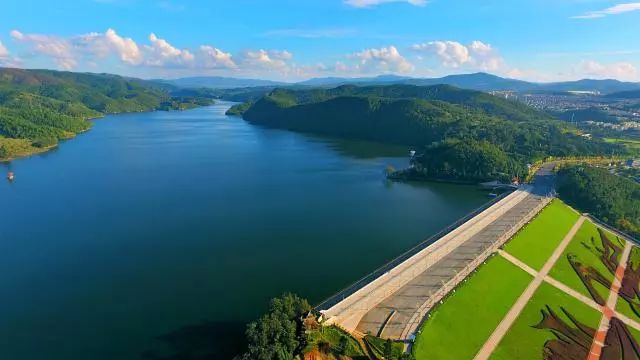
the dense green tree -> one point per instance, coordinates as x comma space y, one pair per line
276, 335
612, 199
388, 349
467, 160
44, 142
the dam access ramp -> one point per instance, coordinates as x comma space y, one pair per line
393, 301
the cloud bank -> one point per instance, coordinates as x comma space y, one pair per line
158, 57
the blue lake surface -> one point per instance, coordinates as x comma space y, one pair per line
159, 235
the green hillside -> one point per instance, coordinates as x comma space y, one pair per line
464, 135
41, 107
613, 199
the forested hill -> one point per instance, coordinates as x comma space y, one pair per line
462, 126
40, 107
611, 198
476, 100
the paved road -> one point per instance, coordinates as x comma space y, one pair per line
407, 301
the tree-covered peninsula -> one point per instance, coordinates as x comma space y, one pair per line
40, 107
460, 135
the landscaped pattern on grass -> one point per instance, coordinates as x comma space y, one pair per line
587, 249
629, 301
458, 328
535, 242
529, 335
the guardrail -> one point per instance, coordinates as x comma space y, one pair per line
362, 282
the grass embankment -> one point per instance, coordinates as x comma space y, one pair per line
378, 345
535, 242
586, 253
332, 340
458, 328
525, 342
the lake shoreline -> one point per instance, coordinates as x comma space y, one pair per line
37, 151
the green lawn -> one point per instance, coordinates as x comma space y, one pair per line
458, 328
562, 270
635, 333
632, 144
535, 242
525, 342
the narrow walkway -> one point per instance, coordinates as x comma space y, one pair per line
551, 281
608, 309
567, 290
516, 309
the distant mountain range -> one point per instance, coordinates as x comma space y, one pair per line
476, 81
219, 82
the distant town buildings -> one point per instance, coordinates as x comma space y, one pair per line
633, 163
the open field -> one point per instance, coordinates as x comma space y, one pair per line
585, 248
458, 328
524, 341
535, 242
631, 144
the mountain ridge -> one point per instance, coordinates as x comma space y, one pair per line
475, 81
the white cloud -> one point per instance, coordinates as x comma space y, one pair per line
371, 3
161, 53
452, 54
59, 49
214, 58
109, 43
4, 53
613, 10
618, 70
386, 59
266, 59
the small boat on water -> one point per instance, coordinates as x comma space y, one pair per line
492, 195
11, 176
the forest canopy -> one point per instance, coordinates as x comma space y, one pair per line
613, 199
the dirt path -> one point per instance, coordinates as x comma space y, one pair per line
608, 309
502, 328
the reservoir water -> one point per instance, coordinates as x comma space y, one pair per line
158, 235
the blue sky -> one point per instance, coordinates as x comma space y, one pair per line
541, 40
